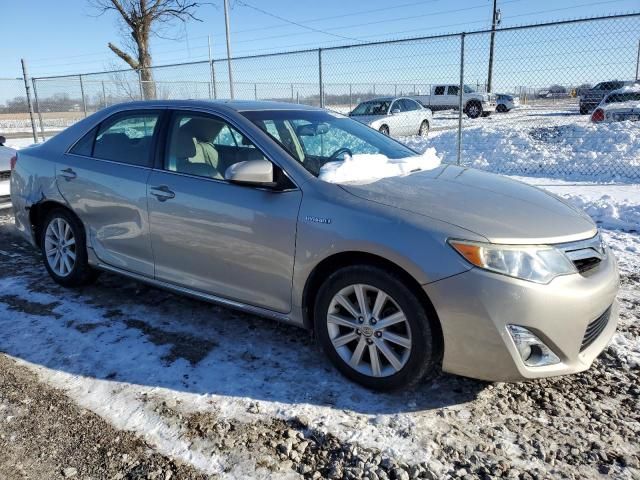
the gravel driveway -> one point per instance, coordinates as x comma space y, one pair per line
120, 380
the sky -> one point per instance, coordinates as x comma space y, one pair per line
67, 36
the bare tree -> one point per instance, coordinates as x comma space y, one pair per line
142, 18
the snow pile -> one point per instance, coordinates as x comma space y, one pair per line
627, 349
608, 212
367, 168
602, 152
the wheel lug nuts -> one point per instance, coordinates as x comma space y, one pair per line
360, 319
378, 334
358, 332
373, 321
369, 341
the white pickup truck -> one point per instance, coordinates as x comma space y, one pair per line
446, 97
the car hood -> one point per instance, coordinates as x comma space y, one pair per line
495, 207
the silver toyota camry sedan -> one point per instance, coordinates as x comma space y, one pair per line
400, 265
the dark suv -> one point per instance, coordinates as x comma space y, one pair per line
591, 98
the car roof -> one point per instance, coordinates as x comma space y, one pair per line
237, 105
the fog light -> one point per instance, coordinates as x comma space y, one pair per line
533, 352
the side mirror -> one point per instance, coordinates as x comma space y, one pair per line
395, 111
2, 141
258, 173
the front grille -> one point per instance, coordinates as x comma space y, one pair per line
4, 199
594, 329
585, 254
5, 175
585, 264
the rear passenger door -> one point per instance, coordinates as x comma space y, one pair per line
453, 96
103, 178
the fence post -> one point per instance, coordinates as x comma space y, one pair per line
104, 95
140, 85
462, 35
35, 96
255, 91
350, 98
292, 98
84, 100
320, 78
29, 104
212, 90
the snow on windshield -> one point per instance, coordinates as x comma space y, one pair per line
368, 168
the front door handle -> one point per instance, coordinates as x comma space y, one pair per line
68, 173
162, 193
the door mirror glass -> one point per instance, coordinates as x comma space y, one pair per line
2, 141
251, 172
395, 111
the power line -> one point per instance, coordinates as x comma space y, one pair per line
244, 4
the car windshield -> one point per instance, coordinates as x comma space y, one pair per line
373, 107
623, 97
315, 138
468, 89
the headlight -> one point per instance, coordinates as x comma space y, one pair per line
536, 263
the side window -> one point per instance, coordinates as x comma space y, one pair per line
409, 105
84, 146
439, 90
453, 90
127, 138
206, 146
397, 105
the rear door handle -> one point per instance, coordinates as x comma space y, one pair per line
68, 173
162, 193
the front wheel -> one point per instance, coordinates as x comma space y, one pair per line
64, 249
384, 130
423, 131
374, 329
474, 110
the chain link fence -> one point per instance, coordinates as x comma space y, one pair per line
522, 110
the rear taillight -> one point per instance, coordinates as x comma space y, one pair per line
13, 161
597, 115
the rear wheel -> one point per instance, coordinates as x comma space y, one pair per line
502, 108
374, 329
423, 131
64, 250
384, 130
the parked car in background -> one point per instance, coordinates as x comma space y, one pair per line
229, 201
506, 103
620, 105
6, 154
446, 97
591, 98
394, 116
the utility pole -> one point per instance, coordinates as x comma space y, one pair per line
27, 90
226, 24
494, 22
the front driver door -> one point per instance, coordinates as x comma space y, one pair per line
209, 235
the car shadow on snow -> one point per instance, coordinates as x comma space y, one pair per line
124, 331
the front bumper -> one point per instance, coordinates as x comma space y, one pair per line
475, 308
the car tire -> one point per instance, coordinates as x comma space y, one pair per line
473, 109
346, 336
583, 110
64, 249
423, 131
501, 108
384, 130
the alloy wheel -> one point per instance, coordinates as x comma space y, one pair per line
369, 331
60, 247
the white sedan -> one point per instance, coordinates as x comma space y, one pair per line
620, 105
397, 116
6, 154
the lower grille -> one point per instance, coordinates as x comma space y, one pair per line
5, 175
594, 329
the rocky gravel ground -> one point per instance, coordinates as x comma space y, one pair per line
182, 417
